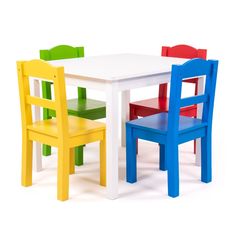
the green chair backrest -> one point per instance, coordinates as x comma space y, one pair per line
62, 52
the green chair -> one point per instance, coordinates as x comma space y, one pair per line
81, 106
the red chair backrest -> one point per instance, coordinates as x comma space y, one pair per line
181, 51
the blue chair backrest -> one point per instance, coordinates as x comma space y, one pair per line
192, 69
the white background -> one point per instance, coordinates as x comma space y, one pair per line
107, 27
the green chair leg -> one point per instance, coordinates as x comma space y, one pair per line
46, 150
79, 157
46, 90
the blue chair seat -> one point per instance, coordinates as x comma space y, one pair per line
159, 123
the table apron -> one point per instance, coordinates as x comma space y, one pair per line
121, 85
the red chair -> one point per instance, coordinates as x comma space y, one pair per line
161, 103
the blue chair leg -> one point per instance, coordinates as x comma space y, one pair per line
172, 157
131, 160
163, 164
206, 169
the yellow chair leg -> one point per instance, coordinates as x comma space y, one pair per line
103, 161
63, 173
26, 171
72, 161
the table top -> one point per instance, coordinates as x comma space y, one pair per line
117, 67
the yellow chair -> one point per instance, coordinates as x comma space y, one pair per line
64, 132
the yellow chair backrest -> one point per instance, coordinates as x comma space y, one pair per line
42, 70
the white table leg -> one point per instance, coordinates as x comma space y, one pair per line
112, 124
199, 115
125, 100
37, 160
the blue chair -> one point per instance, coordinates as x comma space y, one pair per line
170, 129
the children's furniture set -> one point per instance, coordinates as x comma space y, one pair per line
70, 124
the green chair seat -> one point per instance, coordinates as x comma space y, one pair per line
85, 108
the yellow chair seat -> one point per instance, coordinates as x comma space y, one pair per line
77, 126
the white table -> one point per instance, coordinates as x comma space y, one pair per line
113, 74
